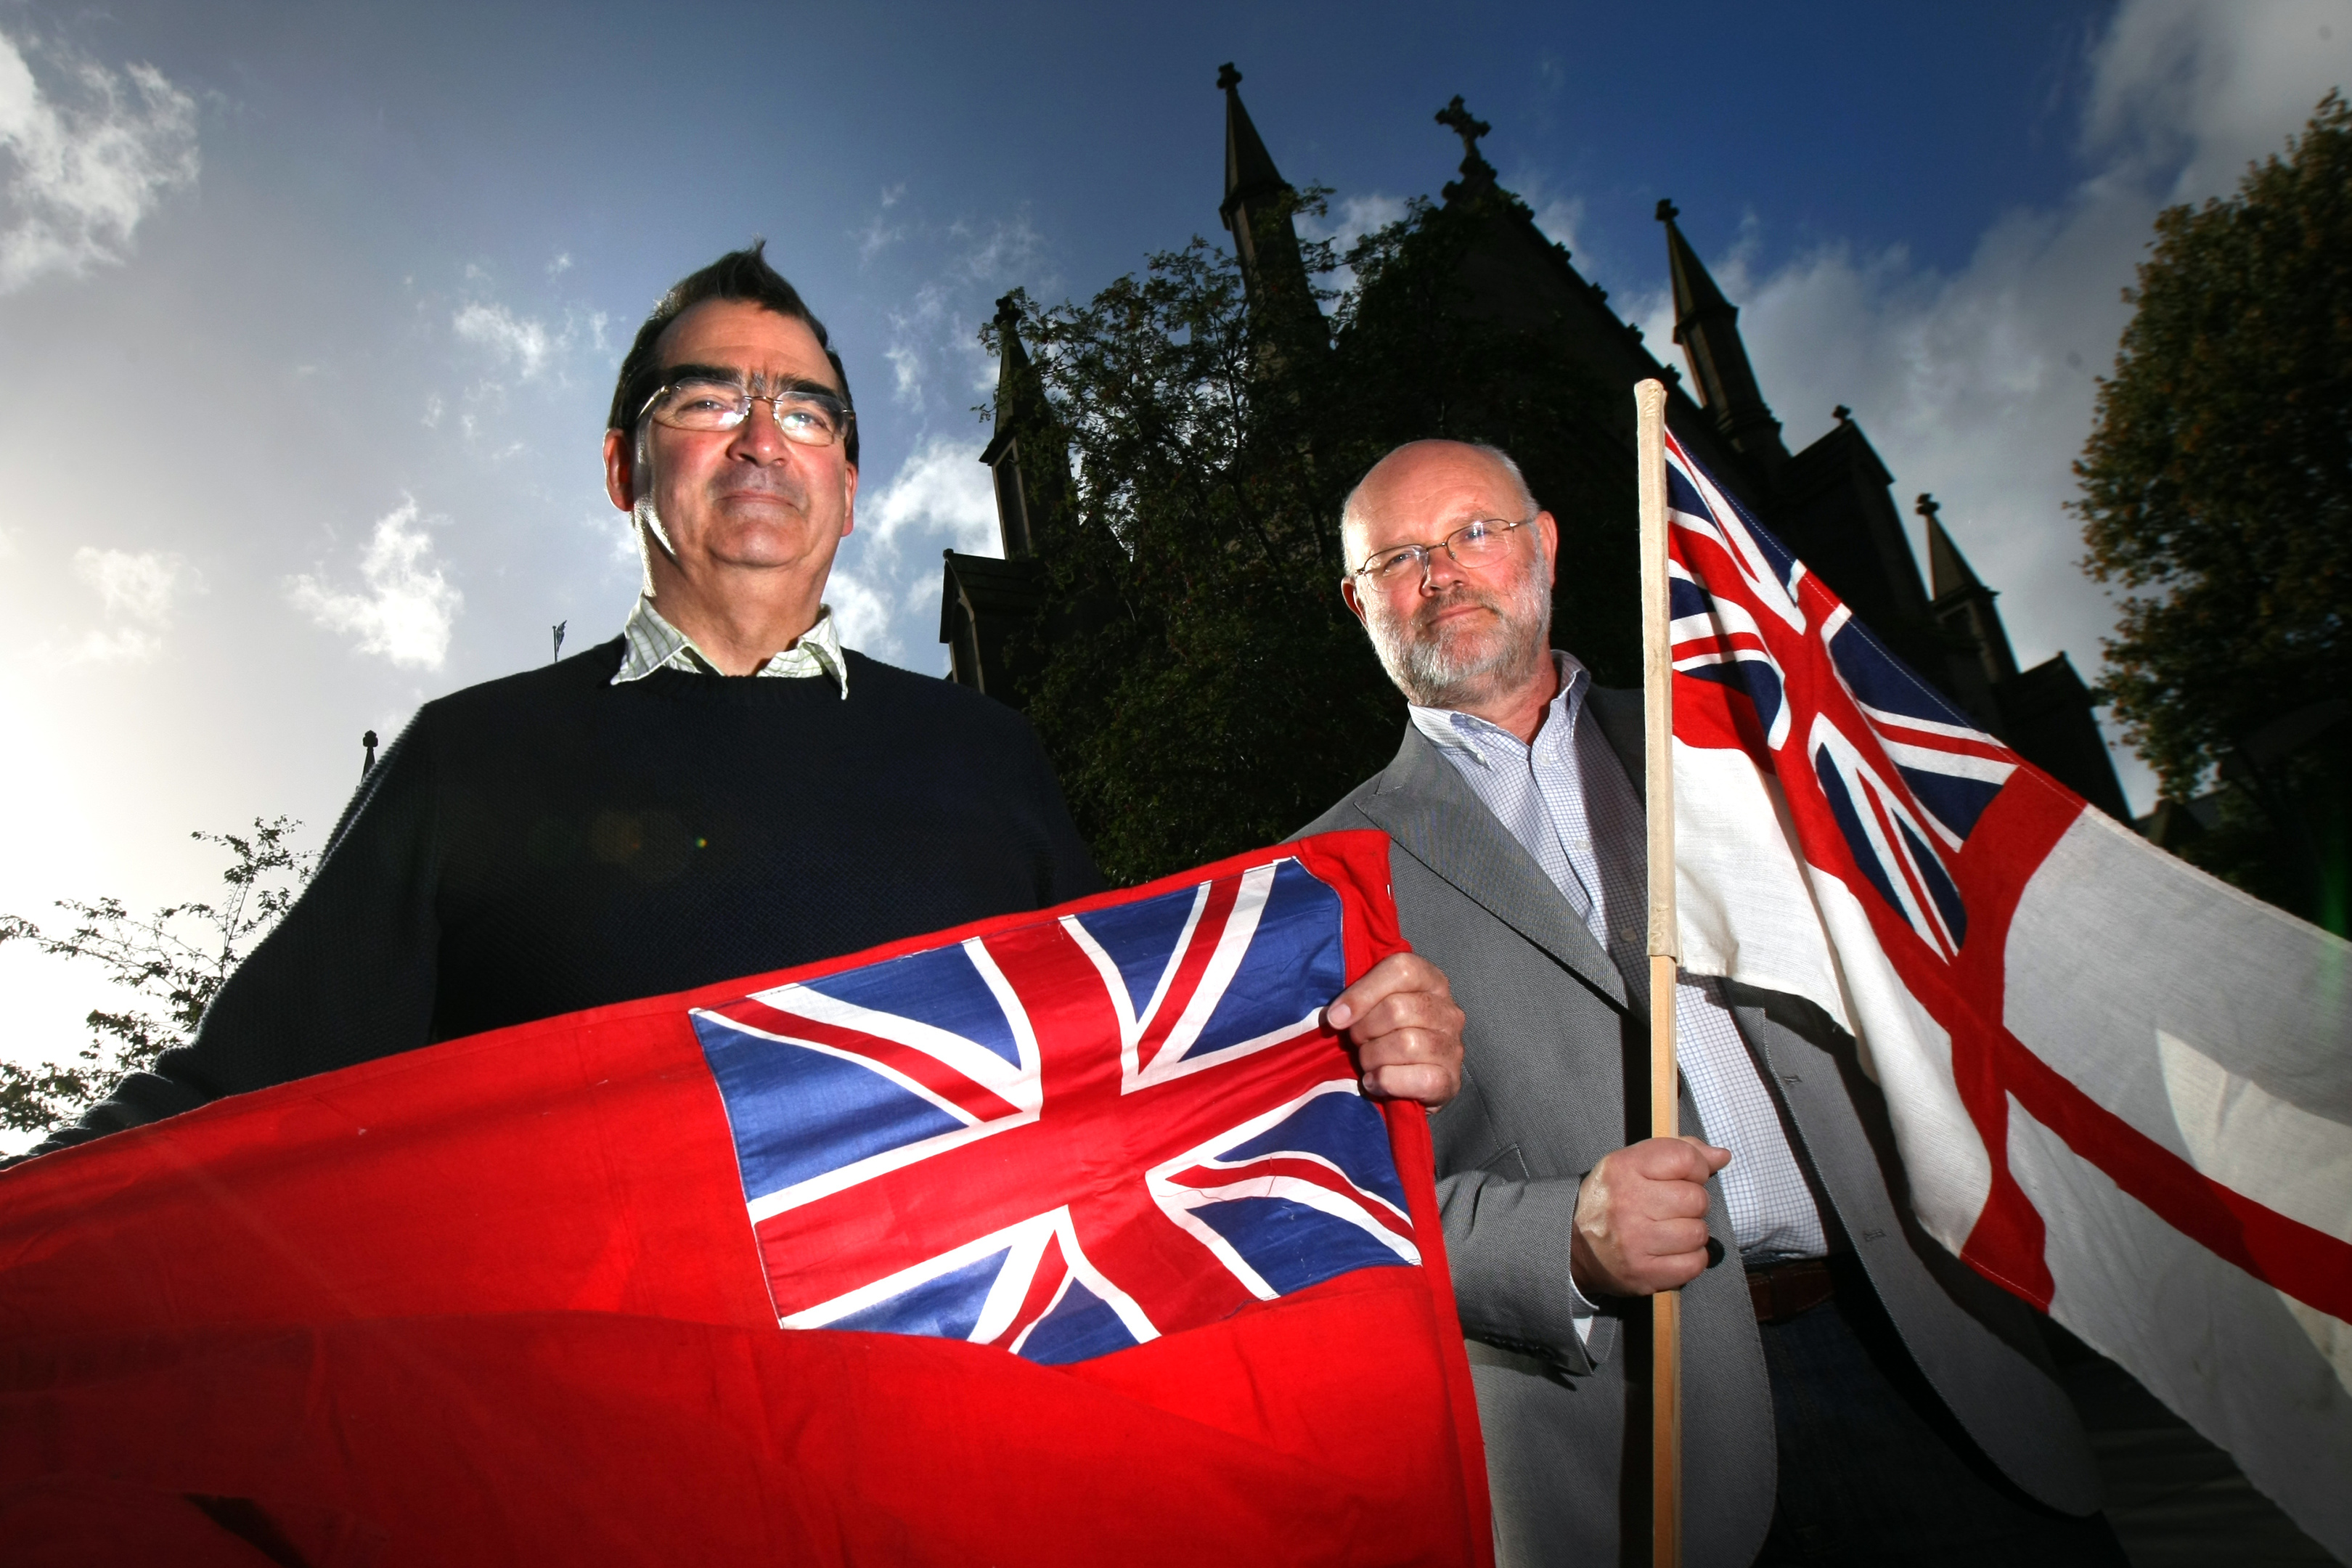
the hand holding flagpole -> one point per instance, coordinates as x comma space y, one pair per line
1658, 789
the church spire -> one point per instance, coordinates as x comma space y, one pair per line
1947, 569
1018, 392
1257, 212
1959, 602
1707, 327
1024, 505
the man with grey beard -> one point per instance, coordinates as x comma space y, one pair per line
1853, 1392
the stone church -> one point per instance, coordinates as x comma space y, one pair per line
1832, 503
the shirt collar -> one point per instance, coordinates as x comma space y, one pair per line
1468, 733
653, 643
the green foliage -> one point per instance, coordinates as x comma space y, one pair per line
2219, 478
1199, 682
173, 961
2245, 847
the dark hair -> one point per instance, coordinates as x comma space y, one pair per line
741, 275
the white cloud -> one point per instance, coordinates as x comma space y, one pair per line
617, 534
1006, 248
940, 492
885, 584
520, 339
863, 616
1352, 218
1559, 215
886, 587
525, 343
81, 177
877, 236
880, 234
2209, 88
408, 609
138, 591
111, 645
1348, 219
1977, 384
906, 374
935, 340
139, 587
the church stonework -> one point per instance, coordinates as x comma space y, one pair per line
1832, 504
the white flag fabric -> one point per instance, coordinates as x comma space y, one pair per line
2122, 1089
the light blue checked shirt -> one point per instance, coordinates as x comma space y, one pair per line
1567, 802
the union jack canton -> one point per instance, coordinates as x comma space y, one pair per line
1067, 1137
1902, 772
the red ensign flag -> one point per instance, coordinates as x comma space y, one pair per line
1062, 1239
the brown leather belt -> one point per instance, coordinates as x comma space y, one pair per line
1785, 1289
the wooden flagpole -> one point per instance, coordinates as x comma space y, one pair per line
1658, 791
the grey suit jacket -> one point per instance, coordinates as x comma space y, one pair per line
1550, 1049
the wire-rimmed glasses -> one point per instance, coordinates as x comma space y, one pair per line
807, 415
1478, 542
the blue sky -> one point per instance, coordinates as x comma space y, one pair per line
311, 310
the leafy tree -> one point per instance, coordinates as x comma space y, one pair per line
2216, 485
1198, 681
173, 961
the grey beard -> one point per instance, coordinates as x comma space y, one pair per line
1433, 675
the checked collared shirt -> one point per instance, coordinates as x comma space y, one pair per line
653, 643
1567, 800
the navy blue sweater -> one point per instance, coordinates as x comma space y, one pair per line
551, 841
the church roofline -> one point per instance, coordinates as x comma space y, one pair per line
1827, 452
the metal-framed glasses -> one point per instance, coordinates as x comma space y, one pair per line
807, 416
1479, 543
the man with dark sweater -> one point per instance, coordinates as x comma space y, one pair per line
721, 791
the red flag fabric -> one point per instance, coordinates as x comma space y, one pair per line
531, 1296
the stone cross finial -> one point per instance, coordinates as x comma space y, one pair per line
1667, 211
1460, 121
1928, 507
1228, 78
1007, 312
